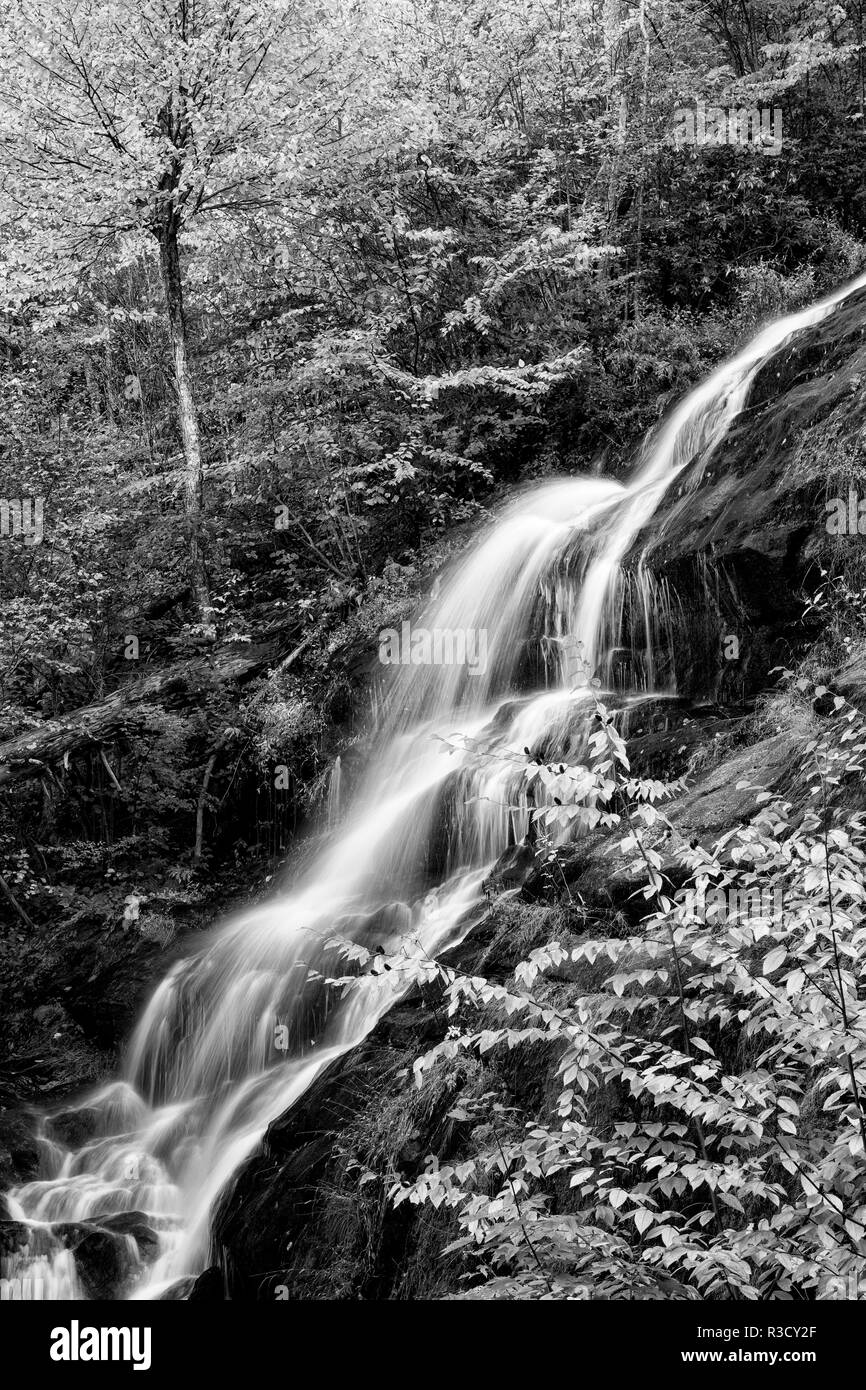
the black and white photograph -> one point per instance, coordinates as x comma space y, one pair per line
433, 672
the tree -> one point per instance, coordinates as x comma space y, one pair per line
128, 122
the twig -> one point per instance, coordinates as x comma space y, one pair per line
14, 903
107, 766
526, 1237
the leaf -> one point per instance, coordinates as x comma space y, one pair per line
773, 959
643, 1219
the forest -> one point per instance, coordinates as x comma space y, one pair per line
432, 650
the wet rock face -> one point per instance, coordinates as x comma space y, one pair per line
741, 533
135, 1224
101, 1259
103, 982
14, 1235
109, 1251
19, 1153
72, 1128
762, 492
209, 1287
275, 1195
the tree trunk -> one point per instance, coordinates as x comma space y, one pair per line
187, 414
616, 107
642, 155
860, 75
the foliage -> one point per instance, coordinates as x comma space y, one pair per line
706, 1138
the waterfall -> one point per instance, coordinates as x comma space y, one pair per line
234, 1035
335, 791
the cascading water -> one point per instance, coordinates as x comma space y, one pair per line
232, 1037
335, 792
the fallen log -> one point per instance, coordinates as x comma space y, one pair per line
28, 754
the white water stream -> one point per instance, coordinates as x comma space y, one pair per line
234, 1035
